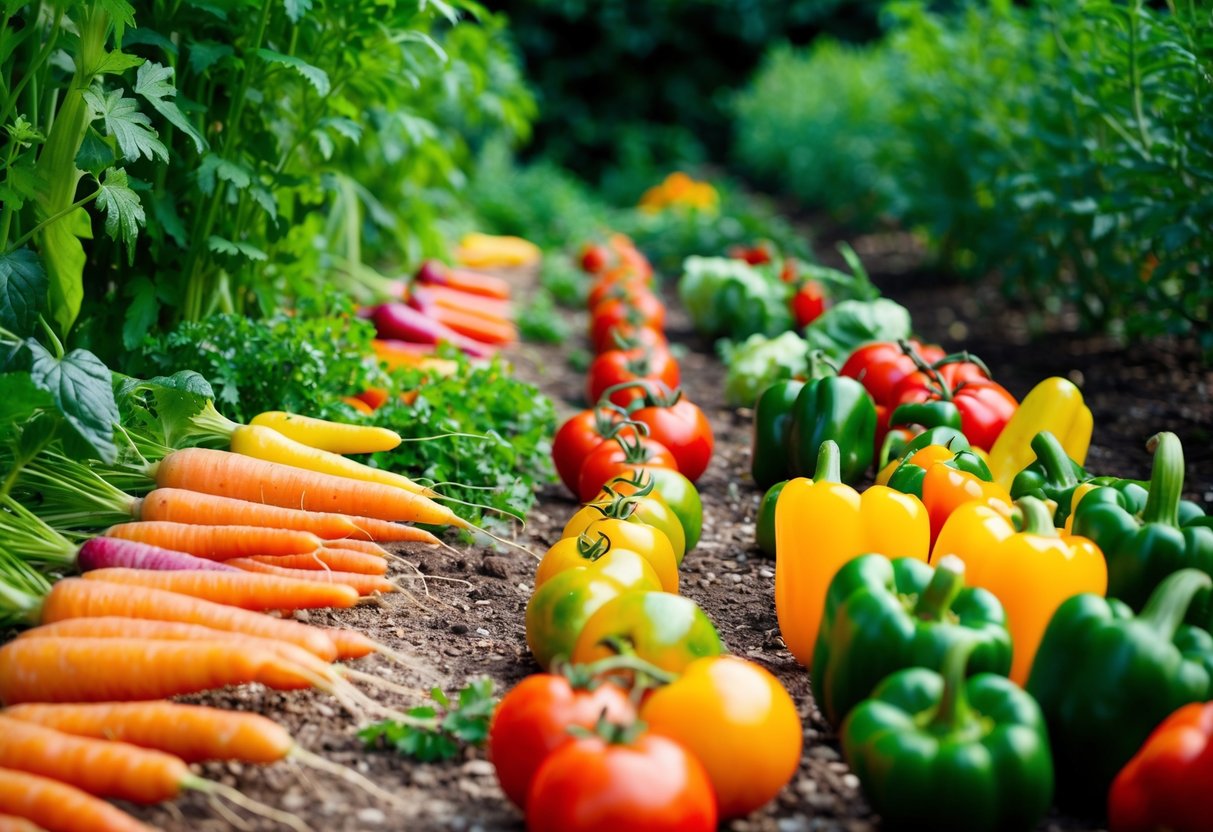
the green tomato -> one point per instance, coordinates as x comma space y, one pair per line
667, 630
558, 610
682, 498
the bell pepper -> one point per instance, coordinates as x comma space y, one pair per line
1142, 551
936, 751
764, 527
820, 524
985, 406
1030, 571
1132, 495
1105, 680
882, 616
832, 408
1168, 782
908, 476
1053, 477
772, 423
944, 435
945, 489
1054, 405
897, 426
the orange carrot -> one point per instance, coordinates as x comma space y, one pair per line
194, 733
245, 478
57, 807
358, 405
384, 531
235, 589
458, 299
351, 644
341, 560
176, 505
109, 669
374, 397
78, 598
359, 582
216, 542
9, 823
356, 545
474, 325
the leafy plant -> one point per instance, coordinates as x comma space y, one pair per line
442, 729
540, 321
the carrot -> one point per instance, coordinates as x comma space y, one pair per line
355, 545
374, 397
107, 669
197, 734
176, 505
244, 478
484, 328
78, 598
403, 354
236, 589
458, 299
385, 531
341, 560
360, 582
216, 542
103, 552
358, 405
9, 823
57, 807
351, 644
335, 437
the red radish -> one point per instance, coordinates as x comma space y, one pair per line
108, 552
402, 322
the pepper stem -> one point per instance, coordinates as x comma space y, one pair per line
829, 463
953, 708
820, 366
947, 582
1052, 456
1168, 604
1035, 517
1166, 479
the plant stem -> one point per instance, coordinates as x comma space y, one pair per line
58, 215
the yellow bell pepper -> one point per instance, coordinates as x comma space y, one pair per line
1032, 572
820, 524
1054, 405
486, 251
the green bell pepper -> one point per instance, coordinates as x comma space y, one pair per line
772, 423
1053, 477
1105, 679
934, 751
885, 615
836, 408
1141, 551
907, 477
764, 528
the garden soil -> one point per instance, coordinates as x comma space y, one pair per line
465, 619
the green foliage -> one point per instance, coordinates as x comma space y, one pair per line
631, 87
540, 321
302, 362
501, 465
1065, 145
439, 732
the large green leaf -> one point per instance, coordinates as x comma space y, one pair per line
23, 287
20, 398
81, 388
155, 83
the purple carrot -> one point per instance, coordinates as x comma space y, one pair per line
105, 552
402, 322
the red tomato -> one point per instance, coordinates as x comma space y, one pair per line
575, 439
595, 258
623, 289
618, 366
985, 406
611, 459
533, 720
808, 303
881, 366
755, 255
681, 427
788, 271
641, 309
629, 335
650, 784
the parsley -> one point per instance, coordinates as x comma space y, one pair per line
446, 726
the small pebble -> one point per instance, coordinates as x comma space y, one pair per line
478, 768
765, 573
482, 631
371, 815
850, 781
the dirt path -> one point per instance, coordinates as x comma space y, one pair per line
471, 624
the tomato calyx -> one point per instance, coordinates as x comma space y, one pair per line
936, 384
618, 506
635, 452
592, 550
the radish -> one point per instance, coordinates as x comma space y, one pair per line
106, 552
402, 322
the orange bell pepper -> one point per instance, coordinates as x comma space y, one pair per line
945, 489
1032, 572
820, 524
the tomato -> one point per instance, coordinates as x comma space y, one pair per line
681, 427
651, 511
755, 255
789, 271
629, 336
611, 459
642, 309
577, 437
629, 568
619, 366
676, 491
741, 724
648, 541
808, 303
985, 408
953, 375
533, 719
667, 630
595, 258
559, 608
649, 784
881, 366
623, 288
